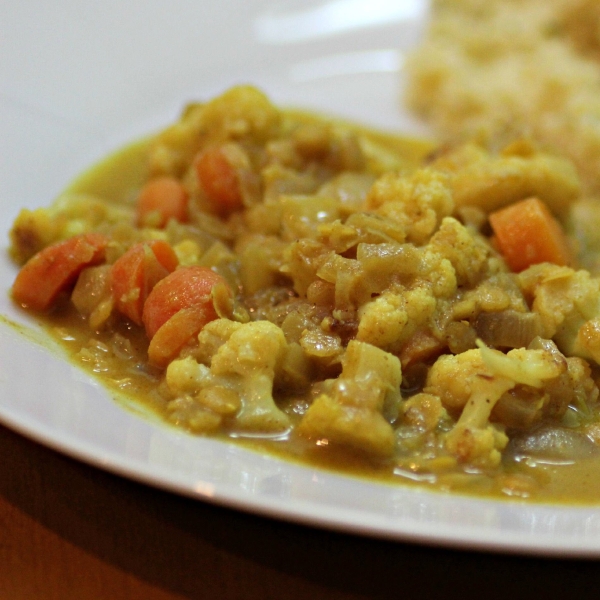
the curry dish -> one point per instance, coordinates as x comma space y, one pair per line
333, 294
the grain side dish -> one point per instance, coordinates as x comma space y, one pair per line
497, 69
337, 295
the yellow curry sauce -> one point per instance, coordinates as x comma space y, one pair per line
363, 318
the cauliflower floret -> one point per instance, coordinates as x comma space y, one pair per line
525, 366
213, 335
480, 447
382, 268
362, 403
437, 273
491, 182
71, 214
418, 202
242, 112
455, 379
568, 303
388, 321
423, 412
239, 382
466, 253
587, 342
382, 321
473, 382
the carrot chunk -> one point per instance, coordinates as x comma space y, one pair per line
135, 273
162, 199
527, 234
219, 180
178, 307
185, 287
175, 333
55, 269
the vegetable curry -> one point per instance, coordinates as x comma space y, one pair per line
332, 294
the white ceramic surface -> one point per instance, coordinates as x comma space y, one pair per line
80, 78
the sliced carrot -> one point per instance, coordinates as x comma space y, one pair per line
175, 333
135, 273
219, 180
183, 288
55, 269
526, 234
162, 199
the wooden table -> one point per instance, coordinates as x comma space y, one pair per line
68, 530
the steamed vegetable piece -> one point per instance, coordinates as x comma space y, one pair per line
239, 382
184, 288
218, 178
519, 171
135, 273
162, 199
528, 234
56, 268
177, 308
474, 382
568, 304
358, 408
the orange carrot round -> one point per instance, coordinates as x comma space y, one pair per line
183, 288
136, 272
172, 335
526, 234
219, 180
55, 269
162, 199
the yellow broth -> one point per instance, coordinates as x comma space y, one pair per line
576, 482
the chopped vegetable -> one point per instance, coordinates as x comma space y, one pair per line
178, 308
239, 383
362, 403
135, 273
170, 337
185, 287
219, 180
160, 200
56, 268
528, 234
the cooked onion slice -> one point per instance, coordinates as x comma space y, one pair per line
508, 329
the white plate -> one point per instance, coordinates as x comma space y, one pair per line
79, 79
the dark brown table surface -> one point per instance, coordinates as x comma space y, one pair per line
68, 530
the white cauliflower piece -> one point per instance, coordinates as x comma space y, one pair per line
382, 320
466, 252
528, 367
185, 375
239, 382
455, 379
361, 404
417, 202
71, 214
241, 112
491, 182
473, 382
385, 266
391, 319
213, 335
568, 302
